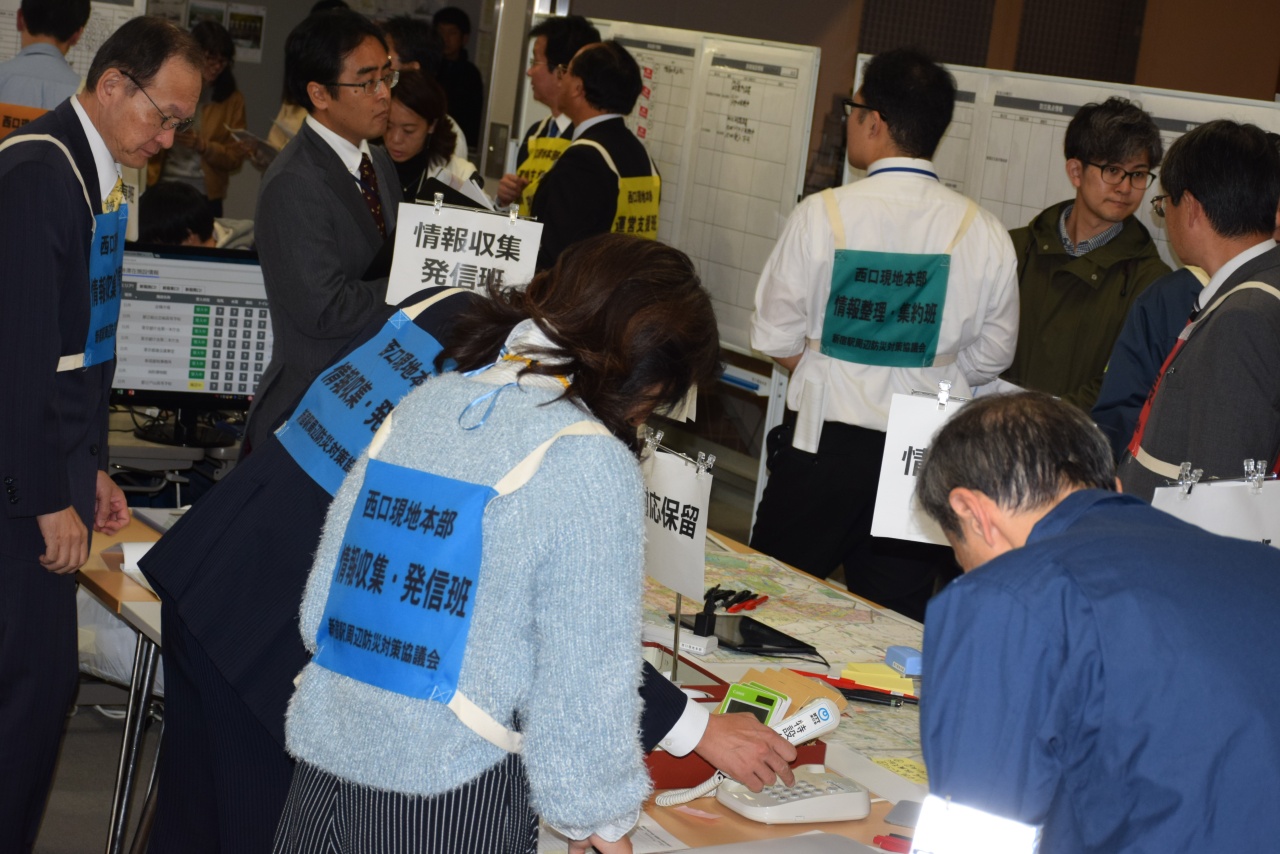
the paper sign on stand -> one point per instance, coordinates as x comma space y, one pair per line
913, 419
677, 493
1229, 508
460, 248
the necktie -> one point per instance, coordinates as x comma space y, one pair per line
553, 129
369, 189
115, 198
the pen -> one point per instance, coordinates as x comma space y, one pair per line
743, 596
876, 697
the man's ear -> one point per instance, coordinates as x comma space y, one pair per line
973, 509
1075, 172
319, 95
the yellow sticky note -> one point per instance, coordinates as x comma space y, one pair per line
877, 675
909, 769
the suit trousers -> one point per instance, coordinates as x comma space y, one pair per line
38, 678
816, 515
223, 777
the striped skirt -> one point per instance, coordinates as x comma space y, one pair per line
328, 815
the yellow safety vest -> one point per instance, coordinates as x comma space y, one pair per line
637, 211
544, 151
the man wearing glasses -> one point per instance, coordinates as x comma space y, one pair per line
1083, 262
889, 284
1216, 401
62, 232
555, 41
327, 204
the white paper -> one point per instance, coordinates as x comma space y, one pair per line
913, 419
460, 248
676, 500
133, 552
1229, 509
248, 28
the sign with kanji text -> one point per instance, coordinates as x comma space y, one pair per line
913, 419
460, 248
675, 521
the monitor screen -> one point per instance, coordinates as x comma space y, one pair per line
194, 333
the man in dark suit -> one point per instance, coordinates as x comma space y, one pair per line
326, 205
61, 232
605, 180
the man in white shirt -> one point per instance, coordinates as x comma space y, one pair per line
1217, 398
39, 75
888, 285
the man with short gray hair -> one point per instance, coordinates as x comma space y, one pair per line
1101, 672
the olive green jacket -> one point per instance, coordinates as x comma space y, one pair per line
1072, 309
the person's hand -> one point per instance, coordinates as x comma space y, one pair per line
510, 189
747, 750
110, 510
66, 541
582, 846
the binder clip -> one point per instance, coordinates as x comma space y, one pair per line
944, 393
1188, 478
653, 442
515, 214
652, 439
704, 462
1255, 471
438, 202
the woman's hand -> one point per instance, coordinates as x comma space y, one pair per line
582, 846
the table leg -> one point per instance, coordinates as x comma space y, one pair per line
144, 671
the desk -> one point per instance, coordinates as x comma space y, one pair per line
843, 628
139, 607
130, 452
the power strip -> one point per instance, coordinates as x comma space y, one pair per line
689, 642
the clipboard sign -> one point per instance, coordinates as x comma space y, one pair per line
913, 421
1245, 509
677, 494
460, 247
14, 116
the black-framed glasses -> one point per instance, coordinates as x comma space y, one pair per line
1157, 205
370, 87
1113, 174
850, 105
172, 123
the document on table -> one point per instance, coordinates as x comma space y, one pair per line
648, 837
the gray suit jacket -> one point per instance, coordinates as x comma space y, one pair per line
1219, 401
316, 238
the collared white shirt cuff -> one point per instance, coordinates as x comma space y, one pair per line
682, 738
609, 833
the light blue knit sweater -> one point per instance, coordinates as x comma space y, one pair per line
555, 634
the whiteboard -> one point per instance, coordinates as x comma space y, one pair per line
727, 121
1004, 146
104, 19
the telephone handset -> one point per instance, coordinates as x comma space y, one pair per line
818, 718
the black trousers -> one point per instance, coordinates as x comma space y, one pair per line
38, 676
329, 815
816, 515
223, 778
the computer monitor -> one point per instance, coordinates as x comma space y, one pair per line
194, 337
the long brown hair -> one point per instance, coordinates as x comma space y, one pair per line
629, 320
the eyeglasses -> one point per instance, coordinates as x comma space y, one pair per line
534, 63
370, 87
850, 105
172, 123
1112, 174
1157, 205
